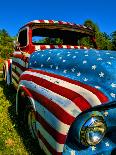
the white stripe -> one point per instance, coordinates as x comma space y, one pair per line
35, 21
44, 148
16, 77
51, 119
17, 69
54, 144
64, 46
15, 52
14, 82
18, 60
88, 95
47, 115
37, 47
47, 46
61, 101
46, 21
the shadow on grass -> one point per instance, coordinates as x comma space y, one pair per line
31, 146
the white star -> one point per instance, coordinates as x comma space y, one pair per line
93, 148
41, 65
107, 53
68, 55
51, 66
73, 69
98, 87
111, 57
35, 62
86, 52
106, 113
84, 62
60, 57
74, 57
78, 74
107, 144
58, 54
64, 71
109, 63
48, 59
85, 79
99, 59
101, 74
113, 95
30, 63
86, 55
94, 67
42, 55
56, 67
63, 60
113, 85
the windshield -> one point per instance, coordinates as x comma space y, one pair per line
45, 36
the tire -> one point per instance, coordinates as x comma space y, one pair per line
31, 122
27, 117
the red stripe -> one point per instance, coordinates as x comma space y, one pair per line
22, 57
52, 46
42, 47
51, 21
73, 96
95, 91
48, 146
60, 138
18, 65
41, 21
77, 47
51, 106
60, 22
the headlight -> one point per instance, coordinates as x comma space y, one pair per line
93, 131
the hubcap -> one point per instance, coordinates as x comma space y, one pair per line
32, 123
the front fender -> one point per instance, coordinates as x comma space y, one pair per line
25, 92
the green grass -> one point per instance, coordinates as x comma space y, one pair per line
14, 140
1, 64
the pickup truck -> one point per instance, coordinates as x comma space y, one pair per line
66, 92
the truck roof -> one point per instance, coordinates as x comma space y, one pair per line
60, 25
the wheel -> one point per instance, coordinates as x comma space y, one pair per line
31, 122
27, 115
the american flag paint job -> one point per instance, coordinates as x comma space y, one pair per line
56, 81
60, 83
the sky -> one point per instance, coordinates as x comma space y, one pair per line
15, 13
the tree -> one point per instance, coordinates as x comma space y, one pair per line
113, 39
103, 41
6, 44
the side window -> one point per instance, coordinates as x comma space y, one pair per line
22, 39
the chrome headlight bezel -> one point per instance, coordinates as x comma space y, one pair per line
93, 131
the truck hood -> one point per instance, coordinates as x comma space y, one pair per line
96, 68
